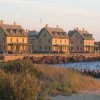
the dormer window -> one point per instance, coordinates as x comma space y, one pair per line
20, 31
9, 31
15, 31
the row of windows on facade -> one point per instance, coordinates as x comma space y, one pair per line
10, 31
17, 40
85, 35
62, 48
87, 42
45, 47
77, 47
40, 41
12, 48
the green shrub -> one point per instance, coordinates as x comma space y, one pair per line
18, 87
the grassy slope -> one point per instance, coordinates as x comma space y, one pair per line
53, 80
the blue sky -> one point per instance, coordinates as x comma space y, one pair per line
68, 14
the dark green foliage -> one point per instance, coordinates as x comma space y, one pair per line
18, 87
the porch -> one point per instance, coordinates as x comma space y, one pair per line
59, 48
89, 48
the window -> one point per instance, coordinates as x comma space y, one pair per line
65, 41
23, 40
20, 30
76, 36
23, 47
77, 48
49, 47
71, 42
44, 34
15, 31
55, 41
0, 47
11, 40
16, 39
45, 47
80, 48
81, 42
49, 41
40, 47
65, 48
86, 42
60, 41
39, 40
71, 48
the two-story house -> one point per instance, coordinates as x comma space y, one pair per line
52, 40
13, 38
81, 41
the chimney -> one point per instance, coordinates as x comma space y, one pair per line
46, 25
1, 22
14, 23
77, 28
26, 30
57, 26
74, 29
83, 29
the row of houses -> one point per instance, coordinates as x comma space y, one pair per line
14, 39
57, 40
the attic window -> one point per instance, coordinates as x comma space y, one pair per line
8, 30
15, 31
20, 30
58, 32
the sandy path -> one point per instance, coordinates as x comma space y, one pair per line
82, 96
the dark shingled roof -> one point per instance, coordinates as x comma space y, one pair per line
13, 30
32, 33
55, 32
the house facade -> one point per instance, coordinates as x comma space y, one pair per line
32, 40
81, 41
97, 46
52, 40
13, 38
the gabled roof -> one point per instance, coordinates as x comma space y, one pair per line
55, 32
13, 30
83, 33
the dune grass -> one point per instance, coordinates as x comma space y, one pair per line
49, 80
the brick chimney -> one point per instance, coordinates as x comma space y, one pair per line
77, 28
14, 23
57, 26
26, 30
46, 25
1, 22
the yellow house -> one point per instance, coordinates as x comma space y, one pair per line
52, 40
13, 38
81, 41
